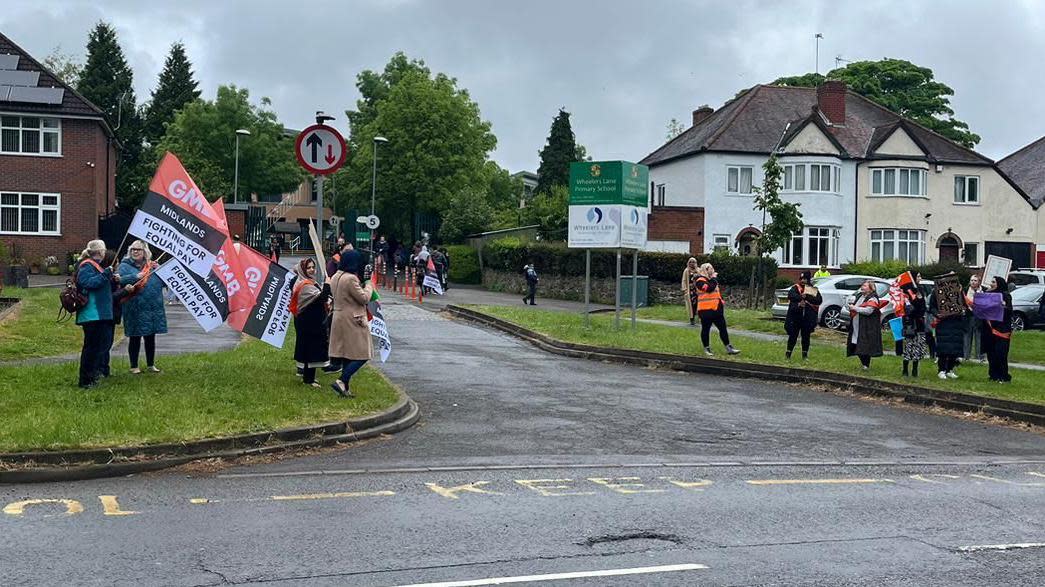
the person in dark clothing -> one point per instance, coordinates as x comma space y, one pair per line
119, 294
532, 279
865, 326
914, 346
308, 304
94, 282
803, 309
998, 335
950, 338
711, 309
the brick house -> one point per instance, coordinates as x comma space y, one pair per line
57, 161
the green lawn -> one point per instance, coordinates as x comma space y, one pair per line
251, 388
1028, 346
32, 330
1028, 386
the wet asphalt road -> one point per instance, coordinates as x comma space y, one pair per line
527, 463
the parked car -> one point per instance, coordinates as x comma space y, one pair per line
834, 289
889, 311
1023, 277
1028, 306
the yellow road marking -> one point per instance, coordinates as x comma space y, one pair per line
451, 492
72, 507
926, 478
112, 507
625, 488
694, 485
539, 486
815, 481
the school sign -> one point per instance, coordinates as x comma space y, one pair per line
608, 205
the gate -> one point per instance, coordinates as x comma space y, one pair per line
256, 223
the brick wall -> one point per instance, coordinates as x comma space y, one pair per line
79, 175
678, 223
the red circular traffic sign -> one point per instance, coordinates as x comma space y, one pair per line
320, 149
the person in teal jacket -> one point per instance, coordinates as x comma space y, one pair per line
144, 315
95, 282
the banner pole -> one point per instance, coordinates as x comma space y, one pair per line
119, 248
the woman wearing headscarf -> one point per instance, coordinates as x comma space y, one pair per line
308, 304
997, 335
95, 317
711, 309
349, 328
143, 313
914, 346
689, 289
865, 325
802, 313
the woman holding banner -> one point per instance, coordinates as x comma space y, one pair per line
998, 334
95, 317
349, 328
308, 304
143, 313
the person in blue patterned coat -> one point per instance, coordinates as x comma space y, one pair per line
144, 315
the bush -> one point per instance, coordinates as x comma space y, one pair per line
464, 264
510, 255
890, 269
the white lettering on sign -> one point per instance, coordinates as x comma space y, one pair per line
181, 191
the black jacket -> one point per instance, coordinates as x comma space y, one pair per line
804, 317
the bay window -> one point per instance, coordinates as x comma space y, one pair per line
887, 181
890, 244
814, 246
823, 177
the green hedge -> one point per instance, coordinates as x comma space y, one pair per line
464, 264
511, 255
890, 269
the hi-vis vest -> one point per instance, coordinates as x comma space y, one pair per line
707, 300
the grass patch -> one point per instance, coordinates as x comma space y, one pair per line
1028, 346
1027, 386
248, 389
32, 331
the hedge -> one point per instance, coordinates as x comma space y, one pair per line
511, 255
464, 264
890, 269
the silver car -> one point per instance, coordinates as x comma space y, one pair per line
1028, 306
835, 290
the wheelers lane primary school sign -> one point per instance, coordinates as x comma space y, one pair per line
608, 205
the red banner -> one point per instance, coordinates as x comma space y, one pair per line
271, 284
229, 269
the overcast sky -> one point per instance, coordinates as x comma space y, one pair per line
623, 69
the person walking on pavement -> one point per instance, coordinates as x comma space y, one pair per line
973, 332
143, 313
997, 336
689, 288
803, 309
308, 304
865, 325
914, 346
95, 317
350, 331
711, 309
532, 279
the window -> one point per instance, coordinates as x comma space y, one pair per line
819, 246
898, 182
822, 177
971, 254
898, 245
738, 180
814, 246
661, 194
30, 135
721, 242
30, 213
966, 189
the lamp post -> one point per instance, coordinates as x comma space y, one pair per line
373, 186
235, 188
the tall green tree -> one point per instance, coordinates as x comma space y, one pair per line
203, 136
557, 154
903, 87
176, 87
108, 82
437, 146
550, 211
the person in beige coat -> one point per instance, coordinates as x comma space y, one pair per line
689, 289
349, 328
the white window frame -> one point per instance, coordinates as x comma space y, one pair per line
806, 239
40, 207
883, 190
739, 170
892, 236
720, 242
798, 177
966, 180
41, 131
662, 190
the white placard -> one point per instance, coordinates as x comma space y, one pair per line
995, 267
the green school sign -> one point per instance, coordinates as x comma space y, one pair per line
609, 182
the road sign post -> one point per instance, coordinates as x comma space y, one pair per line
321, 150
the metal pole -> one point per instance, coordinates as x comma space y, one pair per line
319, 207
616, 296
235, 187
634, 285
587, 288
373, 195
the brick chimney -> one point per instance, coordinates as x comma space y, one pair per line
830, 97
702, 113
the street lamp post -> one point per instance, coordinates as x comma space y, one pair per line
373, 187
235, 188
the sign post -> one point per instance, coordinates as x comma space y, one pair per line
321, 150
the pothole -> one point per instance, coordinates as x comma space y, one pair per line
642, 535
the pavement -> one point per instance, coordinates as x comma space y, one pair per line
531, 468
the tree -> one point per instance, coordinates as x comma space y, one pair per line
675, 128
65, 66
107, 81
557, 154
907, 89
437, 144
785, 218
550, 210
203, 137
175, 88
469, 213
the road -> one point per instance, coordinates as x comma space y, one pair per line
529, 465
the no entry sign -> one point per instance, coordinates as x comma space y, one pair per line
321, 150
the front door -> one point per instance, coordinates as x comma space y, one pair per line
949, 250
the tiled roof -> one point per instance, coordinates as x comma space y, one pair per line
73, 104
756, 121
1026, 168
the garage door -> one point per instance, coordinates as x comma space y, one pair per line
1020, 253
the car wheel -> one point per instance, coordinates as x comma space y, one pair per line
832, 318
1019, 322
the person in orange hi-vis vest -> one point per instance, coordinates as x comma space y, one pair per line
711, 309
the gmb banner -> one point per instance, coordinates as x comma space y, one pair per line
379, 330
205, 298
272, 285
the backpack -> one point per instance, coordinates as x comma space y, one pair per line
71, 298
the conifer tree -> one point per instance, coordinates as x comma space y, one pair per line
557, 154
176, 88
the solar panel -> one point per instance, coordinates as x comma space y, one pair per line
20, 78
5, 92
37, 95
8, 61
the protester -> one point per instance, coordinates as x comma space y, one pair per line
143, 313
349, 331
689, 288
803, 311
973, 347
950, 337
865, 325
914, 346
532, 279
335, 258
440, 266
997, 335
446, 268
308, 304
274, 249
118, 295
95, 317
711, 309
823, 272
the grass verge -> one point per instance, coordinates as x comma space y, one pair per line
248, 389
31, 331
1027, 386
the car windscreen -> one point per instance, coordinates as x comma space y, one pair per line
1027, 294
